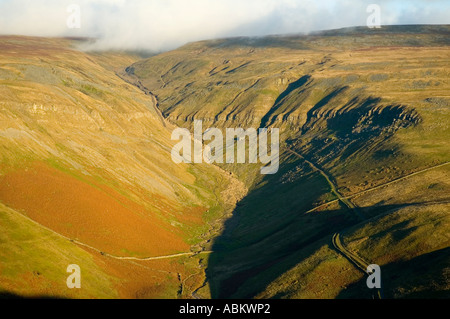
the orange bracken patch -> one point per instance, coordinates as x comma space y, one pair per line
192, 216
91, 215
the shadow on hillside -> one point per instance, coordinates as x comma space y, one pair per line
269, 225
399, 279
269, 233
266, 227
278, 102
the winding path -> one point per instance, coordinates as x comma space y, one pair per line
354, 259
344, 200
357, 261
189, 254
370, 189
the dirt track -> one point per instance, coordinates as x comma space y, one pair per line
357, 261
344, 200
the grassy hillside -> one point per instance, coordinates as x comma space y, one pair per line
86, 175
367, 114
34, 262
87, 156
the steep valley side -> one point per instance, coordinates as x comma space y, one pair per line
87, 178
367, 110
86, 165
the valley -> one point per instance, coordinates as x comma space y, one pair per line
86, 174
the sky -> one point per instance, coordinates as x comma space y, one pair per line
159, 25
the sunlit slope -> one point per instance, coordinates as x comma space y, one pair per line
365, 107
34, 262
86, 155
340, 90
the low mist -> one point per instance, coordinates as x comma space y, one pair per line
159, 25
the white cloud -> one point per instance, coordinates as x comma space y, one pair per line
165, 24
